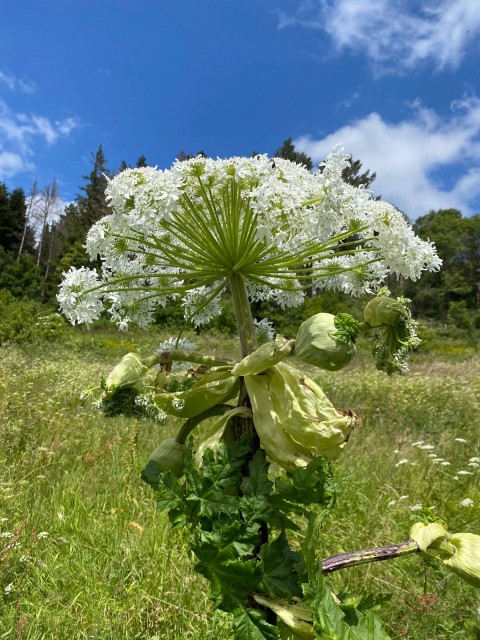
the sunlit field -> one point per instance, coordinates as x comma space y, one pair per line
85, 554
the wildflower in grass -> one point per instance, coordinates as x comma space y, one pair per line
9, 588
42, 534
462, 472
264, 331
392, 503
6, 534
467, 502
462, 440
403, 497
417, 444
432, 455
445, 463
474, 465
401, 462
416, 507
438, 460
185, 232
426, 447
475, 459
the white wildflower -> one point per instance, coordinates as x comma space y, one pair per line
474, 459
401, 462
392, 503
460, 440
474, 465
426, 447
403, 497
462, 472
445, 463
42, 534
416, 507
467, 502
264, 330
6, 534
9, 588
417, 444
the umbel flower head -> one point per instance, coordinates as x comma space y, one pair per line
187, 231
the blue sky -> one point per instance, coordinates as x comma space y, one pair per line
396, 81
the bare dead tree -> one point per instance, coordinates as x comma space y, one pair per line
32, 203
48, 208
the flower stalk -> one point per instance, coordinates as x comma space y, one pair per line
363, 556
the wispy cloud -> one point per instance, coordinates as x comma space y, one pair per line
394, 31
20, 135
409, 156
23, 85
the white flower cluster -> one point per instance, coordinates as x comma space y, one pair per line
183, 232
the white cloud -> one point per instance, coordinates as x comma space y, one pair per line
394, 31
21, 133
410, 156
11, 164
24, 85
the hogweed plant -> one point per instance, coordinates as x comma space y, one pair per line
254, 483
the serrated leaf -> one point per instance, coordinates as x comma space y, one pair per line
257, 482
280, 568
250, 624
232, 580
213, 489
231, 541
333, 623
308, 485
171, 497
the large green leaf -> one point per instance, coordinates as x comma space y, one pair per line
250, 624
281, 567
331, 622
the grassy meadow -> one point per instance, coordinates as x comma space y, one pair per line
84, 553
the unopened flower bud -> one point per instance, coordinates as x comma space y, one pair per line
317, 343
383, 311
459, 551
129, 372
465, 562
168, 456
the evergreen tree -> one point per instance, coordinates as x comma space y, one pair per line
13, 220
181, 156
93, 206
287, 151
353, 176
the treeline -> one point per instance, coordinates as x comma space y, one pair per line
38, 241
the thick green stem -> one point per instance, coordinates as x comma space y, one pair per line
248, 344
377, 554
243, 313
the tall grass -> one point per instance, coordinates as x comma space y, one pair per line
84, 553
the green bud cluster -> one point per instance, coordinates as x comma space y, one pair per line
393, 334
